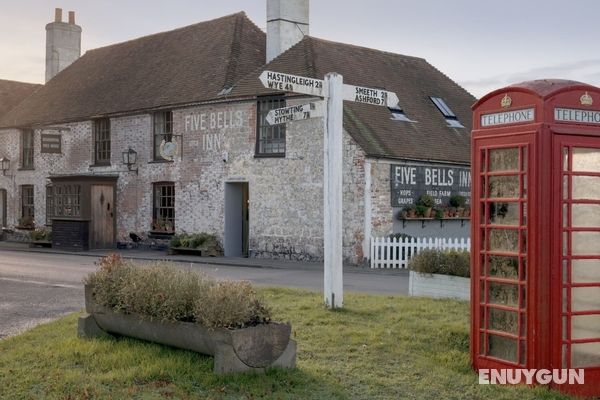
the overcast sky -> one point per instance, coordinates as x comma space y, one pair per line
483, 45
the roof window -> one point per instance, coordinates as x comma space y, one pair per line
451, 118
398, 115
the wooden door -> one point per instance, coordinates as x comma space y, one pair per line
2, 207
102, 233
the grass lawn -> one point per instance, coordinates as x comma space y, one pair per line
376, 348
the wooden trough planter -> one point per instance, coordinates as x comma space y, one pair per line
235, 350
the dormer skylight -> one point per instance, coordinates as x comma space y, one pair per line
448, 114
398, 115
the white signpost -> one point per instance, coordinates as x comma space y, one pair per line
333, 90
295, 113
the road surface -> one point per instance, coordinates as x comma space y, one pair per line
38, 287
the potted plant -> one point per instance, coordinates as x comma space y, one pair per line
426, 202
458, 202
185, 309
407, 212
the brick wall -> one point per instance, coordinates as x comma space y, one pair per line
286, 194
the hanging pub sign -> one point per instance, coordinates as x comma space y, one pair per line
409, 182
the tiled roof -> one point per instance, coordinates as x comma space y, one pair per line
195, 63
413, 79
183, 66
12, 93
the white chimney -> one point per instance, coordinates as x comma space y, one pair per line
63, 43
287, 24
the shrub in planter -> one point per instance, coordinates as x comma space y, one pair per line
444, 262
164, 292
206, 243
41, 235
26, 223
186, 309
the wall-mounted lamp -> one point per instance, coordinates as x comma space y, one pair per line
5, 165
130, 159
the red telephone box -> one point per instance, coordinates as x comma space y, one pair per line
535, 286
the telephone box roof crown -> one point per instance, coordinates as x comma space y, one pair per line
542, 88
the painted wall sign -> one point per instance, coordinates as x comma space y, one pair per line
409, 182
51, 144
508, 117
214, 120
575, 115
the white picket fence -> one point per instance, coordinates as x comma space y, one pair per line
396, 252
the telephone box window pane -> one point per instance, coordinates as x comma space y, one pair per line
585, 215
586, 187
503, 294
565, 159
482, 343
504, 267
504, 159
585, 271
502, 348
586, 160
504, 187
585, 327
565, 187
503, 321
504, 240
585, 298
585, 243
504, 213
585, 355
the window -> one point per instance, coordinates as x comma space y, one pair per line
102, 141
399, 115
270, 139
163, 214
27, 207
27, 149
63, 200
163, 130
451, 118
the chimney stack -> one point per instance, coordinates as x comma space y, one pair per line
63, 43
287, 24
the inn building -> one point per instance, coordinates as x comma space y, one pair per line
167, 133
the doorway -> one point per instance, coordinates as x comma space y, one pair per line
2, 207
102, 235
237, 219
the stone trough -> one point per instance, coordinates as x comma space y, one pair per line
235, 350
